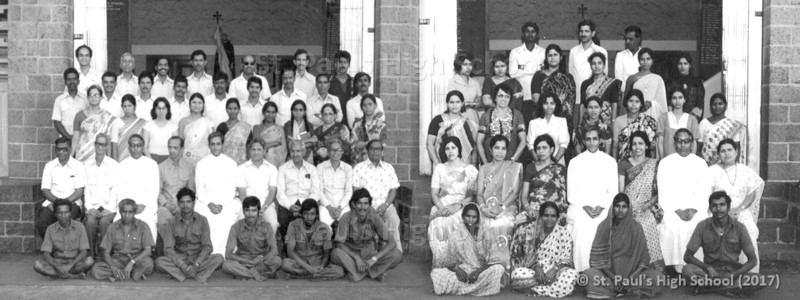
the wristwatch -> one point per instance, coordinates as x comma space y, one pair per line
374, 258
132, 262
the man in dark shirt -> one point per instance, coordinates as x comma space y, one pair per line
65, 246
126, 247
342, 84
308, 245
723, 239
251, 252
187, 243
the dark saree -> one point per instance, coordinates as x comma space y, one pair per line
337, 131
563, 85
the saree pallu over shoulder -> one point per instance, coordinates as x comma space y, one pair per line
235, 145
725, 128
196, 139
271, 133
93, 125
125, 132
465, 130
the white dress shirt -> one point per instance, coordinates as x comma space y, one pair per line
179, 110
215, 108
204, 85
162, 88
257, 180
143, 107
100, 179
337, 184
65, 108
87, 80
112, 105
138, 179
354, 109
127, 86
579, 65
626, 64
298, 183
63, 180
522, 64
239, 88
315, 103
284, 103
251, 113
306, 84
377, 180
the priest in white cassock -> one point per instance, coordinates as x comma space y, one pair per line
684, 183
137, 179
591, 186
215, 179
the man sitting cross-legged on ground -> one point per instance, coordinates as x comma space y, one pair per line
251, 252
308, 245
187, 243
126, 247
65, 246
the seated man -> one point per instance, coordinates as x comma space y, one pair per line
126, 247
187, 243
337, 181
358, 241
723, 239
259, 178
308, 245
256, 255
379, 178
175, 173
298, 180
138, 179
65, 247
101, 200
215, 179
62, 178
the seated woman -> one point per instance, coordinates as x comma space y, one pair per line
550, 123
454, 123
452, 187
469, 271
236, 133
299, 128
498, 190
371, 126
619, 257
548, 271
331, 130
363, 244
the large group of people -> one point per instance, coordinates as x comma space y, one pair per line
571, 172
543, 174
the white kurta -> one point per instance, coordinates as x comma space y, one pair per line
215, 179
138, 179
683, 182
593, 182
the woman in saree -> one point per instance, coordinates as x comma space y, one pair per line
593, 106
716, 128
693, 87
331, 130
470, 270
452, 123
547, 269
743, 185
550, 123
469, 88
452, 187
554, 79
272, 134
606, 88
544, 181
651, 84
637, 179
129, 125
90, 122
194, 129
671, 121
634, 120
372, 126
505, 121
158, 131
235, 132
619, 255
498, 190
499, 75
299, 128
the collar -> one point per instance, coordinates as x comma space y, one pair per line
180, 218
372, 165
69, 163
292, 165
205, 75
525, 48
122, 76
250, 163
102, 162
259, 224
157, 79
70, 226
726, 228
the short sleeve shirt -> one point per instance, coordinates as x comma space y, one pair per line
721, 249
63, 180
65, 242
248, 240
120, 243
362, 237
319, 241
377, 180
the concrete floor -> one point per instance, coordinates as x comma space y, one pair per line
410, 280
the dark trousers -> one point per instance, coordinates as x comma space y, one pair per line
47, 217
285, 217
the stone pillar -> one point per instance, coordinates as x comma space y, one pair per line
39, 50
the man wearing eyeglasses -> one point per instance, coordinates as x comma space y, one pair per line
138, 179
683, 188
99, 194
239, 86
379, 178
62, 178
337, 180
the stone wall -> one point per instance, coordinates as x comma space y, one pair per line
39, 50
16, 217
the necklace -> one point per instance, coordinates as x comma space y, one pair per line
735, 174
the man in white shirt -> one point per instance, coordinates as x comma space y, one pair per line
63, 178
354, 112
68, 104
297, 180
288, 94
579, 55
525, 60
253, 105
215, 178
200, 81
337, 181
627, 61
259, 178
88, 76
137, 179
240, 86
112, 102
179, 104
303, 81
592, 185
684, 183
99, 194
215, 103
127, 82
315, 103
144, 102
380, 179
162, 84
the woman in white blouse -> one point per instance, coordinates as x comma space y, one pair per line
550, 124
158, 131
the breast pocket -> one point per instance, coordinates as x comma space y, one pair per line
732, 244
